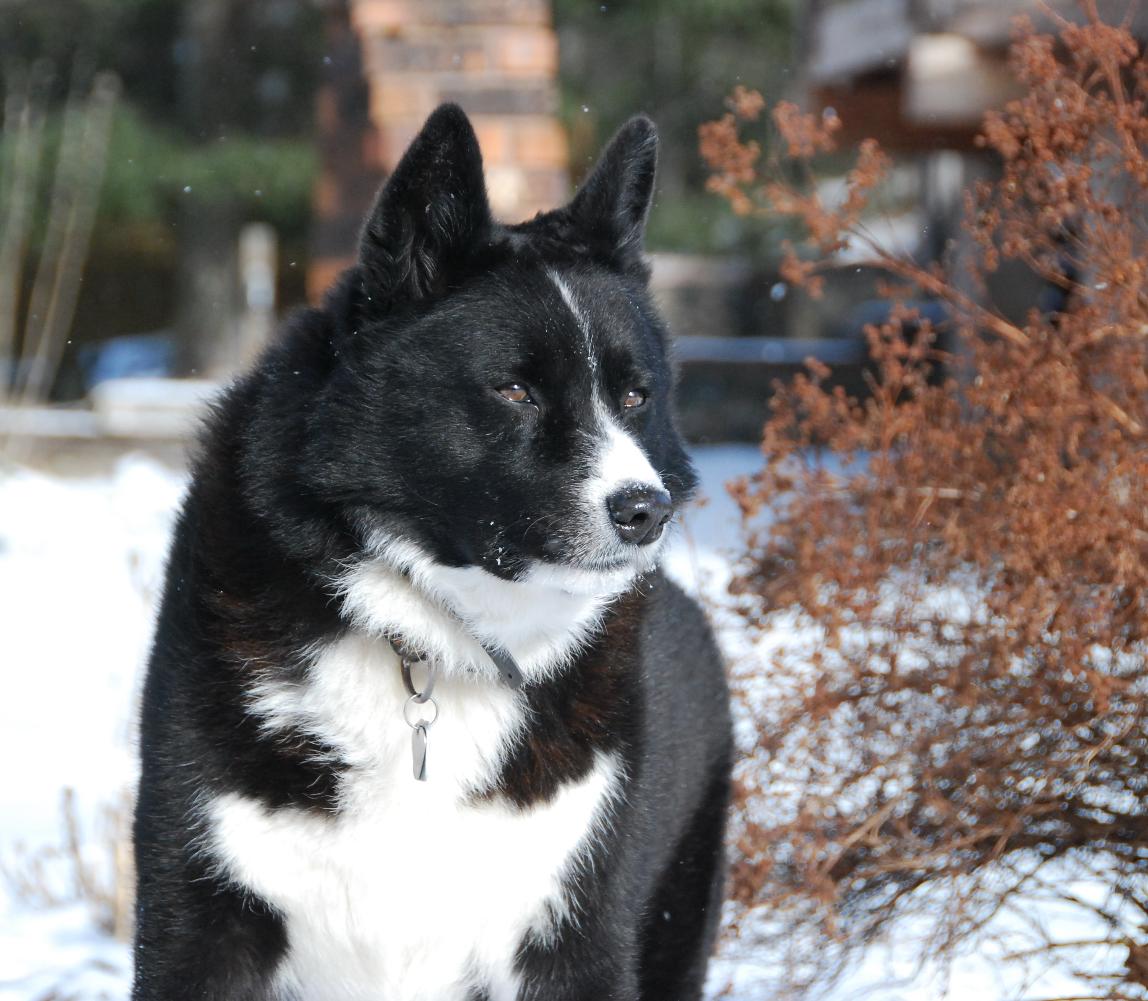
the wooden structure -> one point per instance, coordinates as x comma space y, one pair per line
920, 74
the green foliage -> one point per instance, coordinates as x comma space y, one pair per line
134, 38
689, 222
675, 60
770, 16
254, 153
266, 70
150, 169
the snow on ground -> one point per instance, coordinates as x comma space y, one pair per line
80, 566
81, 563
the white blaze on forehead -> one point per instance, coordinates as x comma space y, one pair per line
619, 459
579, 316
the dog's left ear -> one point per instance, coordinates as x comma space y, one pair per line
430, 215
612, 205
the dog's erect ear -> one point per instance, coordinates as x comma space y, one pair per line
430, 214
612, 204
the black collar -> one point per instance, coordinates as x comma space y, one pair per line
509, 673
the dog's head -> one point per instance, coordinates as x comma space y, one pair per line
501, 395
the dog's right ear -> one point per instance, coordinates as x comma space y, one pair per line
430, 214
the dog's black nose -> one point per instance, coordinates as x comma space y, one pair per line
639, 513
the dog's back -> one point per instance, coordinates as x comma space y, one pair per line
457, 472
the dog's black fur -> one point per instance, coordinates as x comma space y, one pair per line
378, 410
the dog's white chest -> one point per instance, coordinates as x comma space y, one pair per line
414, 890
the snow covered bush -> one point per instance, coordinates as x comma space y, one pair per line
967, 737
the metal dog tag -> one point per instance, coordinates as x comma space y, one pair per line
419, 750
419, 730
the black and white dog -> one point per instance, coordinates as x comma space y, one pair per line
456, 472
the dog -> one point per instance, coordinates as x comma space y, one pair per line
423, 720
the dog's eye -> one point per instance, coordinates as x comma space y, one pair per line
515, 393
634, 398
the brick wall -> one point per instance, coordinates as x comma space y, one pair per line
391, 62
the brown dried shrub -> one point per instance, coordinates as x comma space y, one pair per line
959, 725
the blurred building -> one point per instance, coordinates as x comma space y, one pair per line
924, 72
920, 74
391, 62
